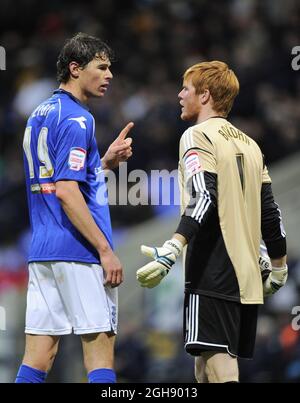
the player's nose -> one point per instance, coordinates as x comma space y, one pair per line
109, 75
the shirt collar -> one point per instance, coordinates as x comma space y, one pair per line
70, 95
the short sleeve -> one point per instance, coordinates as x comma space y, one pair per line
71, 151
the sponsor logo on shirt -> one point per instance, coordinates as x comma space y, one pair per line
35, 188
44, 188
77, 158
48, 188
192, 163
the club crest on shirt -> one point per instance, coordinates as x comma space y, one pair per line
192, 163
77, 158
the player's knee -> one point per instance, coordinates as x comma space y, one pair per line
42, 361
221, 375
224, 376
51, 358
221, 368
98, 351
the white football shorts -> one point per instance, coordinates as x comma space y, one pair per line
66, 296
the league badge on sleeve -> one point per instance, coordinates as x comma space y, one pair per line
77, 158
192, 163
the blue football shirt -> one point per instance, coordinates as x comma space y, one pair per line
59, 144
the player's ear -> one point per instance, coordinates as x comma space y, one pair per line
204, 96
74, 69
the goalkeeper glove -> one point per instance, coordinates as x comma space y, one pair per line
164, 257
273, 277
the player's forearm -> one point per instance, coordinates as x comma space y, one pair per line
75, 207
271, 224
202, 204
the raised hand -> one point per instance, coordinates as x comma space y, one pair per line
119, 150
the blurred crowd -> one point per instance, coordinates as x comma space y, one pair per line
154, 42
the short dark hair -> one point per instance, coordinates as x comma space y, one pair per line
82, 48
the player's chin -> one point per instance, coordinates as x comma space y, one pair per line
184, 116
99, 93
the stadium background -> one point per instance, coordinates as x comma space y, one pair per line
154, 41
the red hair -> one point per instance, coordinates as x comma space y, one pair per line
221, 82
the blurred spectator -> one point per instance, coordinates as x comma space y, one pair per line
154, 42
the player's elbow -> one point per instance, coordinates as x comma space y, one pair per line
65, 189
60, 194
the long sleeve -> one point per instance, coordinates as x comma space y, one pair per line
272, 229
203, 190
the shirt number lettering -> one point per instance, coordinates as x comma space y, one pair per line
240, 164
46, 168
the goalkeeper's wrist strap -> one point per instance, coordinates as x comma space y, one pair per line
174, 243
285, 267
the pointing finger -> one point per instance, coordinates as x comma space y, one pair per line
125, 131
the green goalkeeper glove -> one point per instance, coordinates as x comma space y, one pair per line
273, 277
164, 257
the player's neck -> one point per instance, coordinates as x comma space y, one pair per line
206, 114
75, 91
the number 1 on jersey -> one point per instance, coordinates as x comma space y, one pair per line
240, 164
46, 169
27, 150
